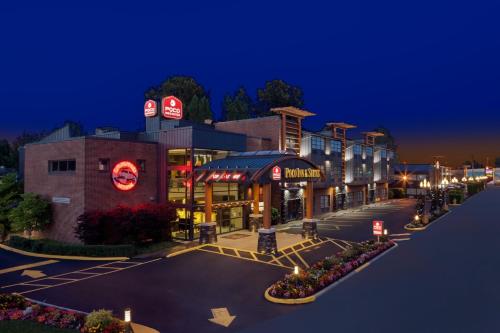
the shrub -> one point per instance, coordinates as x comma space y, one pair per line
473, 188
275, 215
457, 195
396, 193
32, 214
54, 247
10, 301
148, 223
102, 321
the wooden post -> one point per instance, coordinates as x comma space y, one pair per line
266, 193
256, 198
208, 202
309, 200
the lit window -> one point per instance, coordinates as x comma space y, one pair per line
317, 143
103, 164
336, 146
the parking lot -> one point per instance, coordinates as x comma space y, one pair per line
179, 294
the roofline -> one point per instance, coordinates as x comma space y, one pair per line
292, 110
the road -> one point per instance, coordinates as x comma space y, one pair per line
444, 280
177, 294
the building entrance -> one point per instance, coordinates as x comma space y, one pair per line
229, 219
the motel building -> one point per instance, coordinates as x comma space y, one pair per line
221, 176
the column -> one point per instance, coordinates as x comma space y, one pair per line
208, 229
267, 235
256, 216
309, 225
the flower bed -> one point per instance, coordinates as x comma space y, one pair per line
16, 307
418, 224
327, 271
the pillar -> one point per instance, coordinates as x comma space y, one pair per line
266, 197
208, 229
309, 200
309, 226
267, 235
256, 198
208, 201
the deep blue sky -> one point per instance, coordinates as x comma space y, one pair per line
416, 67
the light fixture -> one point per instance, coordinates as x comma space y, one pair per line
417, 218
296, 270
127, 315
386, 232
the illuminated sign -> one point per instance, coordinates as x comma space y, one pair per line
378, 228
171, 107
125, 175
302, 173
150, 108
276, 173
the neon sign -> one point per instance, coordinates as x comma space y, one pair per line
125, 175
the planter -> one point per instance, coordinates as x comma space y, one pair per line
306, 286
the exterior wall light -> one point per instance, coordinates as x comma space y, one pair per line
127, 315
296, 270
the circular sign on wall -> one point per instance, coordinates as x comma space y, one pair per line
125, 175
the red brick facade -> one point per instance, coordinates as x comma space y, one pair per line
87, 188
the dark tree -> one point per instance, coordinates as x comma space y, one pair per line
237, 106
497, 162
7, 158
277, 93
388, 139
185, 88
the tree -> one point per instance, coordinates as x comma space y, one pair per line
32, 214
10, 195
387, 139
278, 93
185, 88
6, 154
237, 106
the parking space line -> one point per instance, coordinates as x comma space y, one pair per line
335, 243
301, 259
242, 258
23, 267
69, 281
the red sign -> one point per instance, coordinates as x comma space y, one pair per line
276, 173
378, 228
150, 108
125, 175
171, 107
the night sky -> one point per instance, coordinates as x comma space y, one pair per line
428, 70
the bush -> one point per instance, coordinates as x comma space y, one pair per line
473, 188
149, 223
54, 247
102, 321
32, 214
10, 301
396, 193
275, 215
457, 195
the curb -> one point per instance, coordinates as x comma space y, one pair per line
428, 224
313, 297
55, 256
174, 254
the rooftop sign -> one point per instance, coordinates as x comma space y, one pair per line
150, 108
171, 107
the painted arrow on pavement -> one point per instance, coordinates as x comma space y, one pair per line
33, 274
222, 317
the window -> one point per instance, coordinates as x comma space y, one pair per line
369, 151
62, 166
383, 153
357, 149
103, 164
336, 146
324, 203
141, 165
317, 143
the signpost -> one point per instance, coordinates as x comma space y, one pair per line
378, 229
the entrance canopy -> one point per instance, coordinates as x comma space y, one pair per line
259, 167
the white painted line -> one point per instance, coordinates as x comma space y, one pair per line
405, 234
400, 239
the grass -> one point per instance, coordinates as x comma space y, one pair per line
25, 326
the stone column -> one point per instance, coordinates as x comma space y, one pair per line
309, 225
267, 235
208, 233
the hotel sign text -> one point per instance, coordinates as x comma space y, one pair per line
302, 173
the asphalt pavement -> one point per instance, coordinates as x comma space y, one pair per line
444, 280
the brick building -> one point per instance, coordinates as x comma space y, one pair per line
218, 173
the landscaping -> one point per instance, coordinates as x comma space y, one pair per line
18, 314
310, 281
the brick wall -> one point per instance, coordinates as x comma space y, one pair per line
100, 192
265, 127
87, 188
65, 184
